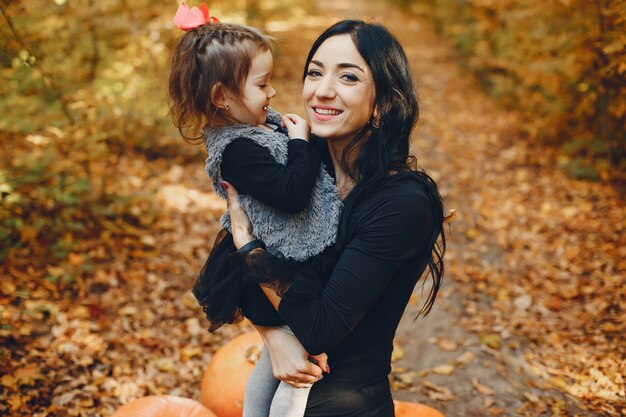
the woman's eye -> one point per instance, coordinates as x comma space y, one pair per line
350, 77
313, 73
262, 86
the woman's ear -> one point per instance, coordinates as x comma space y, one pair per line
218, 96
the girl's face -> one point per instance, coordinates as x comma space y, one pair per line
251, 107
339, 90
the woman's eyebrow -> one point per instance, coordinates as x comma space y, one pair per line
267, 74
350, 65
340, 65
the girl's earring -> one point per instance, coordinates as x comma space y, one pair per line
226, 107
376, 123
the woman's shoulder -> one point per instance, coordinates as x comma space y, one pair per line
404, 186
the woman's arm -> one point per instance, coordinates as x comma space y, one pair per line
254, 171
394, 230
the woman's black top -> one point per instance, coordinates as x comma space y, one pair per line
351, 312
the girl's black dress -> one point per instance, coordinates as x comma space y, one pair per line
351, 310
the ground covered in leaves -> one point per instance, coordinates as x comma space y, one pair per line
530, 322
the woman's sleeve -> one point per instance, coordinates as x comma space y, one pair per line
395, 231
254, 171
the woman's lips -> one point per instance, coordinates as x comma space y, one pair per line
325, 113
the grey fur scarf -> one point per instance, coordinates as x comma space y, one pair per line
296, 236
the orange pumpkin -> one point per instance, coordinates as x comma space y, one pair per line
224, 381
163, 406
406, 409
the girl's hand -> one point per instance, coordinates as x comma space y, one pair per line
240, 225
297, 127
290, 362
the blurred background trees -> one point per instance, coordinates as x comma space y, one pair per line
561, 64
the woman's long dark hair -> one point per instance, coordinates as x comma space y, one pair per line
377, 151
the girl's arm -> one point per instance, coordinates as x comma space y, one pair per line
254, 171
290, 362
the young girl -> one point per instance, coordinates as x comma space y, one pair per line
220, 82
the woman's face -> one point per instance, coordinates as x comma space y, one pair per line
338, 91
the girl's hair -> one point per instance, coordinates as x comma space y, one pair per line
209, 54
375, 151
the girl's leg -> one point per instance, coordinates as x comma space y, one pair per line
289, 401
260, 388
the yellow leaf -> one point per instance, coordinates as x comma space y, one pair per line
28, 375
15, 402
75, 259
447, 345
188, 352
483, 389
491, 340
398, 351
8, 381
443, 369
465, 358
558, 382
127, 311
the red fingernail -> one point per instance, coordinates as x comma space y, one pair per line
327, 369
223, 185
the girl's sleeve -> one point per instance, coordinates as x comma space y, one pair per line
395, 231
254, 171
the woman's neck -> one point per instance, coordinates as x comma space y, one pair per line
343, 181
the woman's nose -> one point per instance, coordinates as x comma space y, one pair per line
272, 93
325, 88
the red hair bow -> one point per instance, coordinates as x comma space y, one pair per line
187, 19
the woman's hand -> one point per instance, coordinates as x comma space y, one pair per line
290, 362
240, 225
297, 127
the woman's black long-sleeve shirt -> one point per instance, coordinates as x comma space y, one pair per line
352, 311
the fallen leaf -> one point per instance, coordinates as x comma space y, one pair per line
531, 397
465, 358
558, 382
447, 345
495, 411
483, 389
8, 381
443, 370
28, 375
491, 340
398, 351
437, 392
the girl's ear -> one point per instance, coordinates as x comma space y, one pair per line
218, 95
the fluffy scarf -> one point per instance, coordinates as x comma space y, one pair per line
296, 236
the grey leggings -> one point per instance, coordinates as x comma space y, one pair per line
267, 396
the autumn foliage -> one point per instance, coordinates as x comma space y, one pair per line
562, 64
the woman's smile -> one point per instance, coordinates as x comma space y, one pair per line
325, 113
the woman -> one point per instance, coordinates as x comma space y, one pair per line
360, 99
